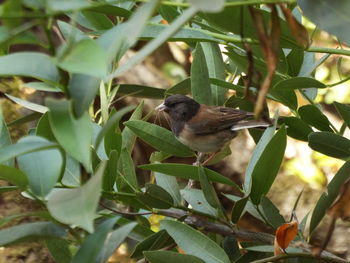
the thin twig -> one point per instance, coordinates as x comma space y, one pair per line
325, 257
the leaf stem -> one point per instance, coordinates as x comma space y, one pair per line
345, 52
235, 3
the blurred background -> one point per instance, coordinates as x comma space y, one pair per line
303, 172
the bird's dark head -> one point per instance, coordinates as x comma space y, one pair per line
179, 107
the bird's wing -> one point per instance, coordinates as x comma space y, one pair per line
213, 119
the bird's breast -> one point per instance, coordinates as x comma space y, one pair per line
206, 143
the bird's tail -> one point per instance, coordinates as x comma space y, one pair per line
247, 124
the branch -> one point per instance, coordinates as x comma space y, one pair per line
202, 222
324, 256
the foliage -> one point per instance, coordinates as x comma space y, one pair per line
77, 161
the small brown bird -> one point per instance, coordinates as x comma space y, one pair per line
206, 129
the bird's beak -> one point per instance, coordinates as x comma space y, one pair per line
161, 107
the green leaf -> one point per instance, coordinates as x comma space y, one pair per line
186, 34
71, 176
43, 128
330, 16
187, 172
156, 197
327, 198
128, 169
113, 138
271, 212
299, 83
5, 138
59, 250
110, 9
28, 105
208, 5
238, 209
223, 20
74, 135
330, 144
29, 64
231, 248
169, 184
27, 144
155, 43
83, 89
249, 207
263, 142
25, 119
113, 241
313, 116
128, 137
170, 257
155, 241
92, 20
183, 87
169, 13
200, 84
344, 112
286, 97
141, 91
42, 168
62, 6
296, 128
42, 86
93, 244
112, 124
196, 199
29, 232
4, 189
111, 171
63, 203
71, 33
216, 69
194, 242
14, 176
159, 138
85, 57
267, 166
295, 60
207, 188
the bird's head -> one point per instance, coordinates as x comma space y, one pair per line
179, 107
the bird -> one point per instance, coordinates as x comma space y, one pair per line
206, 129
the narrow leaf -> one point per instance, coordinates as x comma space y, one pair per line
30, 232
266, 168
113, 241
43, 168
93, 244
194, 242
29, 64
158, 137
330, 144
63, 203
344, 111
200, 84
27, 144
313, 116
74, 135
187, 172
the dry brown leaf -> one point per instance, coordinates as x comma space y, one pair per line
298, 30
270, 46
284, 235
